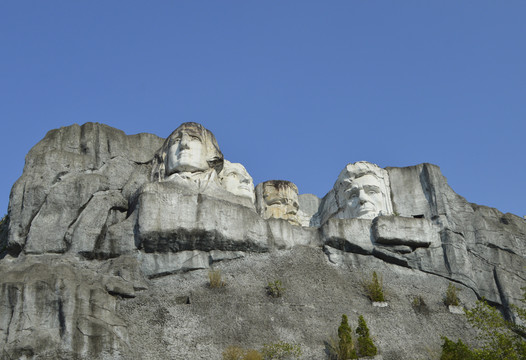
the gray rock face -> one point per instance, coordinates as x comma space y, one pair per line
53, 308
4, 227
437, 231
171, 219
476, 240
351, 235
62, 174
397, 230
110, 237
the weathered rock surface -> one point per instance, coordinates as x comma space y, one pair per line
110, 237
61, 175
60, 308
397, 230
170, 218
181, 315
278, 199
4, 228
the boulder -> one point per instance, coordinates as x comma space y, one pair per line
397, 230
172, 218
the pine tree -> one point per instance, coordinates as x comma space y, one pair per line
346, 350
376, 291
365, 343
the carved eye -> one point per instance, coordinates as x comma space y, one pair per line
194, 138
353, 193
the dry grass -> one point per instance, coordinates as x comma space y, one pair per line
281, 351
215, 280
233, 353
238, 353
336, 352
253, 355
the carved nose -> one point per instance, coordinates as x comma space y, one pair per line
363, 197
183, 145
245, 181
184, 142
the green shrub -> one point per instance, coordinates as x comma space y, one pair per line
418, 301
214, 277
419, 304
452, 295
346, 348
500, 339
455, 351
275, 289
365, 343
374, 288
281, 351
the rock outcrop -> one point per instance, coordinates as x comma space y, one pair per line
109, 237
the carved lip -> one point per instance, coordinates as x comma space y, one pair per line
366, 209
183, 153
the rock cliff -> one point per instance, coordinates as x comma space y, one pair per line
110, 237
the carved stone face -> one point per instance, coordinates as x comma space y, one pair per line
235, 179
364, 197
362, 191
189, 149
186, 153
279, 200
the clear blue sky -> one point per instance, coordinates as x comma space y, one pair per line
294, 90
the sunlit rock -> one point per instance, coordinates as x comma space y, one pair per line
278, 199
235, 179
107, 232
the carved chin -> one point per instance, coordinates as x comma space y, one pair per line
366, 213
242, 192
189, 165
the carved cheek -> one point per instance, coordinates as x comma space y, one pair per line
172, 155
354, 201
377, 200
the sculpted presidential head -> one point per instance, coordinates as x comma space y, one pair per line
191, 148
278, 199
362, 191
235, 179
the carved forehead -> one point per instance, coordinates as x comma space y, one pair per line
279, 186
229, 168
360, 169
365, 180
193, 129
